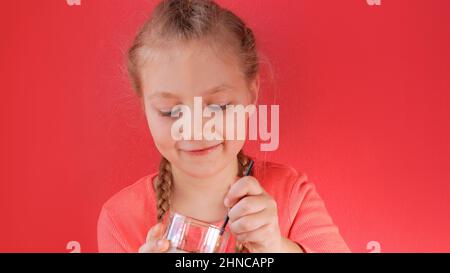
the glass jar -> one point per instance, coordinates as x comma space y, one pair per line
189, 235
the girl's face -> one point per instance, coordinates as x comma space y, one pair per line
175, 75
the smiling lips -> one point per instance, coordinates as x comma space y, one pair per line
202, 151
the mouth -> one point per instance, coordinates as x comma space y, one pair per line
203, 151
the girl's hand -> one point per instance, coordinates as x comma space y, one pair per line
254, 216
155, 243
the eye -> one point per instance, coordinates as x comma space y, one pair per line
174, 113
218, 107
165, 114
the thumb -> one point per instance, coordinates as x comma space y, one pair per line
162, 245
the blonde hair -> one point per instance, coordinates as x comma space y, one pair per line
186, 20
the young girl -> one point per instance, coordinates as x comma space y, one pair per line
195, 48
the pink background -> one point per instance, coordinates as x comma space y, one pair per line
363, 94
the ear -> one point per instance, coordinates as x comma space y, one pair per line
254, 89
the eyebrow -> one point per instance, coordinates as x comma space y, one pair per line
211, 91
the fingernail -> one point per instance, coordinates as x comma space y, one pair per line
226, 201
159, 243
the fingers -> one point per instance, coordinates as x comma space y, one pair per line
246, 185
158, 246
155, 243
258, 235
253, 215
155, 232
250, 222
247, 205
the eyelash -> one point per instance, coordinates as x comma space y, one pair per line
166, 114
223, 107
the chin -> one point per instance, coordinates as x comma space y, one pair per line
201, 170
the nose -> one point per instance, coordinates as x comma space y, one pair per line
198, 119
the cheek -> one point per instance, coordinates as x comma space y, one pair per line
237, 125
232, 147
160, 130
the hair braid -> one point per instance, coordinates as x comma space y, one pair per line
163, 188
243, 161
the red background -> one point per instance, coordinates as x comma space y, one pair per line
363, 94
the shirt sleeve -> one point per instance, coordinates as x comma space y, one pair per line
108, 236
312, 227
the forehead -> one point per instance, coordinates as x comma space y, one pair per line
190, 69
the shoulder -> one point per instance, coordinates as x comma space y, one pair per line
278, 178
126, 216
133, 199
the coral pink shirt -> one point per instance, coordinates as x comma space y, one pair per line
128, 215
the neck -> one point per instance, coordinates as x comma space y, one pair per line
202, 197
